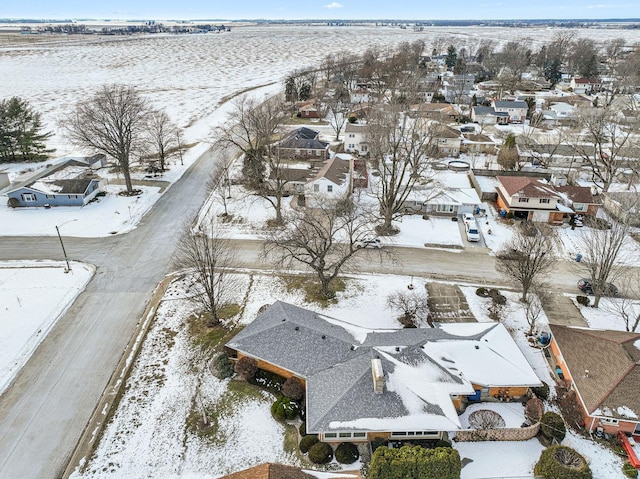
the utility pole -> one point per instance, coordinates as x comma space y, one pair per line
68, 268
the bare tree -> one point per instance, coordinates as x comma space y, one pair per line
220, 182
403, 149
163, 136
209, 257
603, 144
526, 259
251, 130
486, 419
534, 305
322, 238
626, 308
114, 122
337, 108
601, 254
413, 305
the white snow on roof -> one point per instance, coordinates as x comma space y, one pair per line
625, 411
564, 209
495, 360
637, 344
358, 332
46, 187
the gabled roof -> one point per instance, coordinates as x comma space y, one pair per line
423, 367
613, 361
336, 170
355, 128
526, 187
510, 104
484, 110
477, 138
53, 168
443, 131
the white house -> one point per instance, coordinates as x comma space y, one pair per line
516, 110
563, 111
355, 139
333, 179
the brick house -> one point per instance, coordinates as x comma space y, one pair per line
302, 144
363, 384
603, 367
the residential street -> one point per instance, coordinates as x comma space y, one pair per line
45, 410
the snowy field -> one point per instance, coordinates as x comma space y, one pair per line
170, 378
33, 295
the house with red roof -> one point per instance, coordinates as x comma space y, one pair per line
533, 199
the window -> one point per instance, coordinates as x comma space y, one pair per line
364, 148
359, 434
329, 435
523, 200
73, 197
329, 188
351, 146
344, 434
544, 200
428, 434
50, 197
609, 420
310, 152
30, 197
316, 188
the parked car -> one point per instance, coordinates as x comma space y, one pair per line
369, 243
473, 233
468, 129
467, 217
586, 287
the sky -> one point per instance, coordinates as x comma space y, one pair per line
320, 9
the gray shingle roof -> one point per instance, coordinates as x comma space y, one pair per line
334, 358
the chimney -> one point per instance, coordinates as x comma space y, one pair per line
378, 376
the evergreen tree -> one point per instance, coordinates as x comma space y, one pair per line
452, 57
552, 71
21, 137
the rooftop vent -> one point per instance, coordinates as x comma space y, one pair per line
378, 376
297, 328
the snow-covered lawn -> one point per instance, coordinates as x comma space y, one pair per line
33, 295
606, 316
152, 431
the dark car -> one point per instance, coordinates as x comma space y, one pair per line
585, 286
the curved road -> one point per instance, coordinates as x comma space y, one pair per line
44, 411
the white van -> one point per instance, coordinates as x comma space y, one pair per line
473, 233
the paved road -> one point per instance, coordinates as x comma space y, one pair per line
44, 411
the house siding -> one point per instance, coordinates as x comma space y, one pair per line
42, 198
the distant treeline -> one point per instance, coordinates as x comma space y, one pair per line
148, 27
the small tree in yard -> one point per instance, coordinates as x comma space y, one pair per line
486, 419
220, 182
114, 122
526, 259
601, 256
322, 238
412, 304
210, 258
293, 388
415, 463
534, 305
163, 137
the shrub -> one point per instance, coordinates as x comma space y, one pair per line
285, 409
303, 429
552, 426
533, 410
306, 442
13, 203
509, 215
246, 367
561, 462
442, 443
293, 388
486, 419
320, 453
347, 453
628, 470
224, 366
484, 292
542, 392
270, 381
415, 463
497, 297
583, 300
